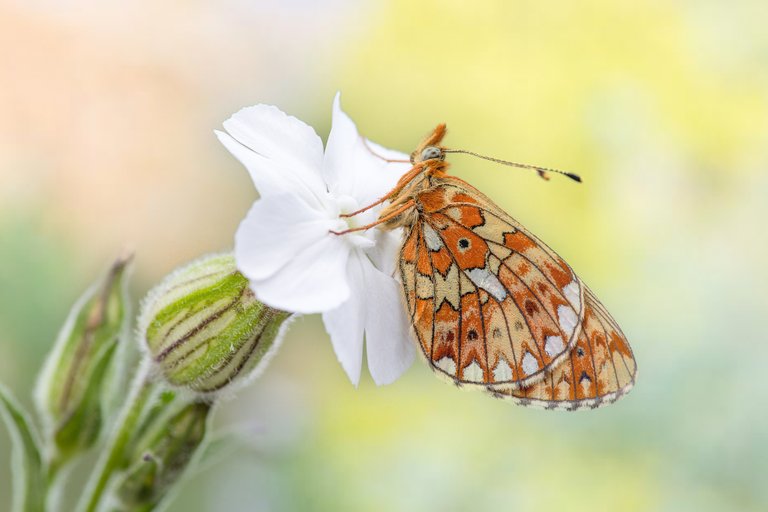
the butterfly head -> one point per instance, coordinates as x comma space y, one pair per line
430, 148
430, 153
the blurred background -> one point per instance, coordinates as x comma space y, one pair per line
107, 112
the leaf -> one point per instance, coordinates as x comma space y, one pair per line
29, 485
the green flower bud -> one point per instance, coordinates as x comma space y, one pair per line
72, 387
204, 328
166, 443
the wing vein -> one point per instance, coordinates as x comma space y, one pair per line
458, 332
610, 354
555, 322
485, 334
509, 331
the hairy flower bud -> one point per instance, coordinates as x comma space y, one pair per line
204, 328
166, 443
71, 387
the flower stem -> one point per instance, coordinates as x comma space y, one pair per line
112, 457
55, 474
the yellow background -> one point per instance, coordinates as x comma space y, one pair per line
106, 118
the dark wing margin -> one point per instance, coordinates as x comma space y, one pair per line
600, 369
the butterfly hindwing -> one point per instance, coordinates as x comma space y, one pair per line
491, 305
599, 370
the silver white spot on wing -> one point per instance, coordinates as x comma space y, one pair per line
502, 372
571, 292
567, 318
473, 372
586, 384
530, 364
483, 278
447, 365
553, 345
434, 242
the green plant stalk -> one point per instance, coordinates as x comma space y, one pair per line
114, 455
29, 486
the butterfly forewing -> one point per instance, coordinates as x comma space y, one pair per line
599, 369
491, 305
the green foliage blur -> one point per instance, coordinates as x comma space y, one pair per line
106, 119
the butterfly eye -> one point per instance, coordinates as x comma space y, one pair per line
430, 153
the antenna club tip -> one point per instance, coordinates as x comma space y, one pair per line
574, 177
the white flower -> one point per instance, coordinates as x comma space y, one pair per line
284, 245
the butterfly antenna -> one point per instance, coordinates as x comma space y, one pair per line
541, 171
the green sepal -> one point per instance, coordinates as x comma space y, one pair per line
72, 388
28, 468
165, 445
79, 430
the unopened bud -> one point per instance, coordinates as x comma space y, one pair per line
70, 388
204, 328
164, 449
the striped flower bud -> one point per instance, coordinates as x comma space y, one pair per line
204, 328
165, 446
73, 386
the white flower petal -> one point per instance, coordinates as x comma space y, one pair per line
338, 170
388, 341
313, 280
386, 251
345, 324
280, 152
351, 168
286, 250
383, 175
390, 154
276, 229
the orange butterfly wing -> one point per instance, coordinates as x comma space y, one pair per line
491, 305
599, 370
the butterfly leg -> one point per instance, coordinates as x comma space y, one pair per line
366, 208
406, 206
404, 180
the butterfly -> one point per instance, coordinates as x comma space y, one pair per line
491, 305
